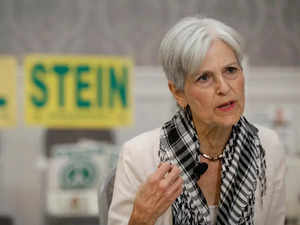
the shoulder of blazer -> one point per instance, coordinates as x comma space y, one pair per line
143, 147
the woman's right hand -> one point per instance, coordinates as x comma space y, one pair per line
156, 195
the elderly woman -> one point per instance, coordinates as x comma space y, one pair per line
208, 164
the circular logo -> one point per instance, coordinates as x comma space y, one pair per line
78, 175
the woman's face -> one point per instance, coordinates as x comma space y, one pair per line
216, 93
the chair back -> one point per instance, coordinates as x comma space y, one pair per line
105, 194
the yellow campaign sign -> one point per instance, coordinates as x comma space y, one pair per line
78, 91
7, 91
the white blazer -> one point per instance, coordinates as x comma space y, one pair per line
139, 158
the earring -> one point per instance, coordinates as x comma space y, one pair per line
188, 111
187, 108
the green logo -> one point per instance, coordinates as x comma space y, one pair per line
78, 175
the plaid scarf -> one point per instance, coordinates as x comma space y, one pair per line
243, 165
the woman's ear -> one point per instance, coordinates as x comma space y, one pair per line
178, 94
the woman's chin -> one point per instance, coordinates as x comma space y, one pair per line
228, 121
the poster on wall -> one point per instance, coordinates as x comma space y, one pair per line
75, 173
7, 91
78, 91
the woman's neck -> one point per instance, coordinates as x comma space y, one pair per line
212, 138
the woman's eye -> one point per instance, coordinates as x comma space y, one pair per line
204, 77
231, 69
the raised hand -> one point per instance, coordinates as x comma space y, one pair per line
156, 195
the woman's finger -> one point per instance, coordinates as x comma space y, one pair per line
172, 175
163, 170
173, 192
177, 192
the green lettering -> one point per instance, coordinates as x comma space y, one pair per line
2, 101
99, 87
61, 71
37, 72
80, 86
119, 87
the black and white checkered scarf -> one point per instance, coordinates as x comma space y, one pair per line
243, 166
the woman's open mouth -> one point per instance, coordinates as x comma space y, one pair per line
228, 106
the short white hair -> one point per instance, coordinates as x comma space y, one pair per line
185, 45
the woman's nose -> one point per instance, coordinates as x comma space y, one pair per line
222, 86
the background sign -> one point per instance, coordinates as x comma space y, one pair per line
7, 91
78, 91
75, 173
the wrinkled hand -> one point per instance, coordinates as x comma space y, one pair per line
157, 194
